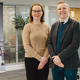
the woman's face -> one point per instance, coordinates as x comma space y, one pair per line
36, 13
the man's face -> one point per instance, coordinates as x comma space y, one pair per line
63, 11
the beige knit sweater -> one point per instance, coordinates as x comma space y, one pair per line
35, 40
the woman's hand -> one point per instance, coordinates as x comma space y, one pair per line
40, 66
43, 61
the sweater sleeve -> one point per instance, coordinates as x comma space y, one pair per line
46, 52
26, 43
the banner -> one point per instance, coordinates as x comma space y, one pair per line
2, 66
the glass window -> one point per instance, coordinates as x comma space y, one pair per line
53, 17
9, 34
24, 12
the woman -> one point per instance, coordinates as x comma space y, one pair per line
35, 35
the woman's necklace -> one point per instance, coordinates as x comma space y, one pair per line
37, 29
37, 26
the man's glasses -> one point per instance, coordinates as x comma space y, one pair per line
37, 11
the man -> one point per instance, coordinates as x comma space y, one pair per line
63, 44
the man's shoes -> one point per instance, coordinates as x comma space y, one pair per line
77, 76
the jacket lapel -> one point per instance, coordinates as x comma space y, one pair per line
55, 34
66, 29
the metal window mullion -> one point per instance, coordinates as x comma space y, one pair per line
16, 39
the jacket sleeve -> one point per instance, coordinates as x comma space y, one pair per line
74, 45
26, 43
50, 44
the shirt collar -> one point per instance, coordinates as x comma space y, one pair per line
65, 21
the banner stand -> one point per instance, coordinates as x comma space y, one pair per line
2, 69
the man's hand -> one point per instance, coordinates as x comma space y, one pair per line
57, 61
60, 64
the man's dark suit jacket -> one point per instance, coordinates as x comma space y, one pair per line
68, 47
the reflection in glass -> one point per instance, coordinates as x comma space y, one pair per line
9, 34
24, 12
53, 17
